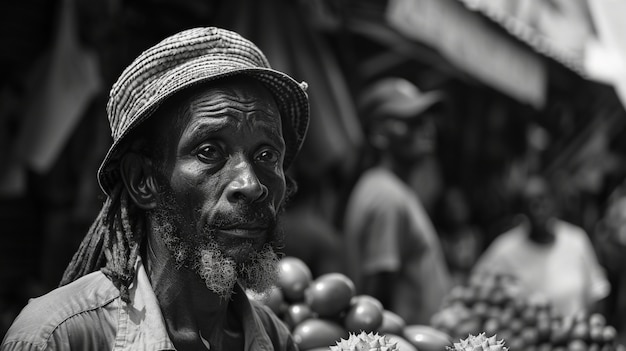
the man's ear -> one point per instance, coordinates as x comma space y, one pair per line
139, 180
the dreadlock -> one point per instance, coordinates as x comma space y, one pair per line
111, 244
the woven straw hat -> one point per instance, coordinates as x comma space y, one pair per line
189, 58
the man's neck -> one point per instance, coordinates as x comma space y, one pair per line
401, 168
188, 307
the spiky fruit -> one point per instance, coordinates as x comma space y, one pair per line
365, 342
479, 343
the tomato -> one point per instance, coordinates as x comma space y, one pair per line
609, 333
275, 301
294, 276
365, 314
371, 298
330, 294
318, 333
392, 323
297, 313
426, 338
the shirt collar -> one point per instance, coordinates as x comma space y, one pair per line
141, 325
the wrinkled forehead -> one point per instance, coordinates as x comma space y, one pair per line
234, 94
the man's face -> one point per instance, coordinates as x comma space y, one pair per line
412, 138
539, 207
224, 187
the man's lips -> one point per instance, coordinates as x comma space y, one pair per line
246, 231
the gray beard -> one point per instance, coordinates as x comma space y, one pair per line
202, 254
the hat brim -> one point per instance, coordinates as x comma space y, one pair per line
289, 95
408, 108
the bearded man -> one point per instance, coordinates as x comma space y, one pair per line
203, 130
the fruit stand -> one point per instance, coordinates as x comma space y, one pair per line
488, 312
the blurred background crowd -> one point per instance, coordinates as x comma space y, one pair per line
531, 87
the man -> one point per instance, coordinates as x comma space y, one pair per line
203, 130
548, 256
394, 253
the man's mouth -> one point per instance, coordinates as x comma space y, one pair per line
245, 231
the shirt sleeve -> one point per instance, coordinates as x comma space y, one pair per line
599, 286
20, 345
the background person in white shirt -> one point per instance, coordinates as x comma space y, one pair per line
547, 255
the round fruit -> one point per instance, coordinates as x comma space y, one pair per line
426, 338
370, 298
294, 276
577, 345
364, 314
392, 324
275, 301
491, 326
315, 332
330, 294
297, 313
597, 319
609, 333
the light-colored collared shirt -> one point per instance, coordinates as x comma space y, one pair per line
88, 314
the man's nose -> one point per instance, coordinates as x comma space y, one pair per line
245, 185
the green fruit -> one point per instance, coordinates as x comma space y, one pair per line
609, 334
580, 331
597, 319
530, 335
516, 343
297, 313
469, 326
426, 338
330, 294
364, 314
596, 333
294, 276
576, 345
392, 324
491, 326
315, 332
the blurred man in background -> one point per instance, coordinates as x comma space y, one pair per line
394, 253
547, 255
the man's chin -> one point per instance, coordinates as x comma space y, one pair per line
240, 250
260, 272
255, 269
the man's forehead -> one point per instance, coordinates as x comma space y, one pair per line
237, 102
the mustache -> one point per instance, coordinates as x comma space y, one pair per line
250, 217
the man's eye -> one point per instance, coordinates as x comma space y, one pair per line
268, 156
210, 153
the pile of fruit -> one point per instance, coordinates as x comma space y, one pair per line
495, 304
321, 311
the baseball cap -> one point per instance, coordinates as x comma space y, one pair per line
396, 97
